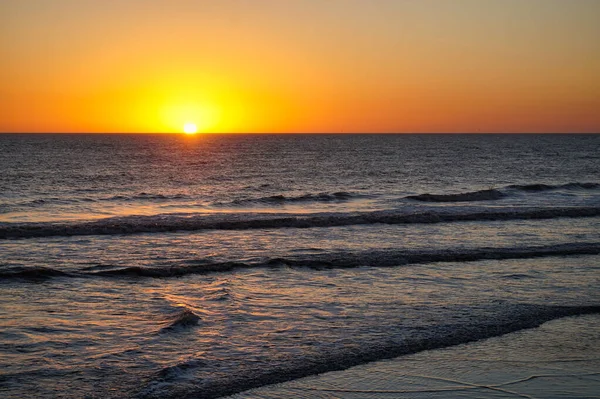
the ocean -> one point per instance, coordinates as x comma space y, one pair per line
172, 266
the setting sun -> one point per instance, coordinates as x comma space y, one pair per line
190, 128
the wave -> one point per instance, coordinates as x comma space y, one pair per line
512, 319
50, 200
340, 196
374, 258
172, 372
482, 195
280, 199
496, 194
30, 273
246, 221
182, 319
549, 187
121, 198
172, 271
327, 260
146, 197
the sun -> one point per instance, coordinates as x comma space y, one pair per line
190, 128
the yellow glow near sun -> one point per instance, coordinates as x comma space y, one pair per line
190, 128
189, 116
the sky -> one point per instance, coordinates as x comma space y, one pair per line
300, 66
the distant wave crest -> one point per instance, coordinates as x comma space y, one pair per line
116, 198
280, 199
482, 195
496, 194
146, 197
549, 187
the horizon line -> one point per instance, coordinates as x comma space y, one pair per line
299, 133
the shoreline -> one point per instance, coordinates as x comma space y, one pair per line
558, 359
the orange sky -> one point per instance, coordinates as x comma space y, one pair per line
300, 65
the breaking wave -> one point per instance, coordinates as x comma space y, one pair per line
327, 260
184, 318
173, 271
246, 221
374, 258
172, 372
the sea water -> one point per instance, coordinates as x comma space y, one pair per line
158, 266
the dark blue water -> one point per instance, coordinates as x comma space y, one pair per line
176, 266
